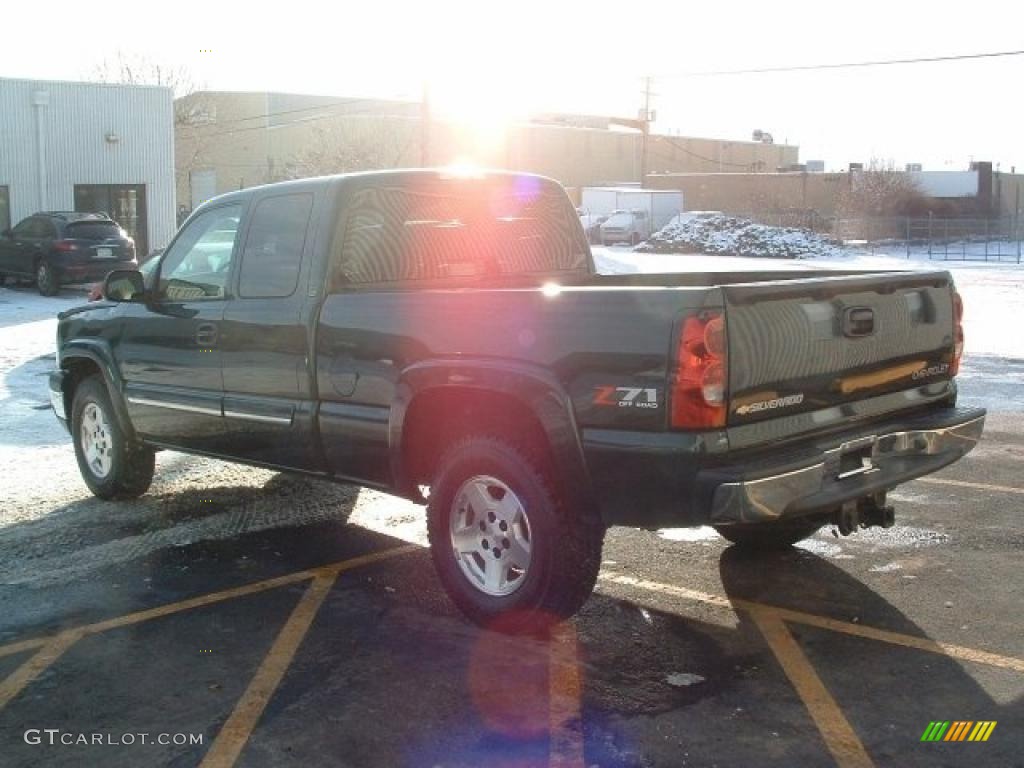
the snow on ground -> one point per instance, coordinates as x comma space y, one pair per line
719, 233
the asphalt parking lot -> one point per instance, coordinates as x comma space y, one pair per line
250, 618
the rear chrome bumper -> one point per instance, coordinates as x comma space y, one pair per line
854, 468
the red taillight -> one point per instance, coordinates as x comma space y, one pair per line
64, 246
700, 379
958, 333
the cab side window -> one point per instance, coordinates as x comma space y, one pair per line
197, 264
273, 247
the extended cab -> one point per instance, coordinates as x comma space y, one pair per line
414, 330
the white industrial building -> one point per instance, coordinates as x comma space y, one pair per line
89, 147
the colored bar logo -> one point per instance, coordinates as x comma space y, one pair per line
958, 730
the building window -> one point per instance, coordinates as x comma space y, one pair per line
124, 203
5, 208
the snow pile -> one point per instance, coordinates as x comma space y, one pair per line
719, 233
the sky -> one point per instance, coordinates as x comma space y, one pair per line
493, 61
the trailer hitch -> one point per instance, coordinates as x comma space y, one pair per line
867, 512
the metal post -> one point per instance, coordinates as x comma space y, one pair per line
929, 235
1016, 222
908, 237
945, 241
986, 239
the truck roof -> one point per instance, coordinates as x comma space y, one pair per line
399, 176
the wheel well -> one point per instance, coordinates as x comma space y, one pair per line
438, 418
78, 370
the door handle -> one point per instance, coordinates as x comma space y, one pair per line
206, 335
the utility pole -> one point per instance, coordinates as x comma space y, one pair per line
645, 130
425, 126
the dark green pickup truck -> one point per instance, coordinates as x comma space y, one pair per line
446, 338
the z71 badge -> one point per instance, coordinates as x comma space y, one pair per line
626, 397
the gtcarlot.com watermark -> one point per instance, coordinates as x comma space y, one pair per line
56, 737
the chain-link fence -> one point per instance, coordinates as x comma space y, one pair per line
927, 237
947, 239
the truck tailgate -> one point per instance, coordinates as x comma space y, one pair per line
821, 344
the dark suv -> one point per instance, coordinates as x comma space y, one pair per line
57, 247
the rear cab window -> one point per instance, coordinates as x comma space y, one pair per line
458, 230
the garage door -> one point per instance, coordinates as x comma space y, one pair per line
204, 186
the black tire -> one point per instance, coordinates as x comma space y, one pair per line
764, 536
130, 471
46, 278
565, 543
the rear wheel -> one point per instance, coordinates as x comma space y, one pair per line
46, 278
110, 466
508, 550
775, 535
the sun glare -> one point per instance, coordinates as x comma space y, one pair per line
480, 105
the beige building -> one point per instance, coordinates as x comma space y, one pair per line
228, 140
756, 192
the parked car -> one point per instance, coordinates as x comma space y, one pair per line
631, 227
57, 247
410, 330
591, 223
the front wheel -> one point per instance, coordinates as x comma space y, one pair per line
507, 549
46, 279
110, 466
775, 535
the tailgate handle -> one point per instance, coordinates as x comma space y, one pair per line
858, 321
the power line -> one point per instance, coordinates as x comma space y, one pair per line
845, 65
313, 108
691, 153
310, 119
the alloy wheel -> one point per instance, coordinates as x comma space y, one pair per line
490, 535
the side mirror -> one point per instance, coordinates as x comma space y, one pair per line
124, 285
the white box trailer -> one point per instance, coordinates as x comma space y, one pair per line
660, 204
637, 212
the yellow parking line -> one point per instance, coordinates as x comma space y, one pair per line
53, 646
236, 731
214, 597
960, 652
839, 735
23, 645
31, 669
976, 486
565, 690
799, 617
